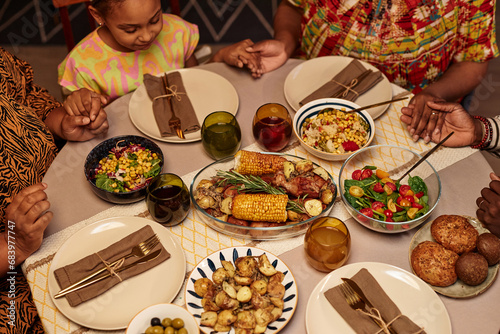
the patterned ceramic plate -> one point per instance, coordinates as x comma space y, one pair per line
459, 289
208, 265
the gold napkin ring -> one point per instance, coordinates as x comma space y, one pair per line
173, 93
111, 268
348, 88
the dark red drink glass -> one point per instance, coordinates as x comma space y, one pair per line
272, 127
168, 199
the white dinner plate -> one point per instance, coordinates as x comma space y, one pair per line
208, 92
212, 262
458, 289
116, 307
414, 298
314, 73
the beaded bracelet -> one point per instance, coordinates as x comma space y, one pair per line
485, 142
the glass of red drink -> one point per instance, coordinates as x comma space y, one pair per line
272, 127
167, 198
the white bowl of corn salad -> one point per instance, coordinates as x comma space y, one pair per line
120, 168
327, 130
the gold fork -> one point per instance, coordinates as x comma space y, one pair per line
139, 250
357, 303
174, 122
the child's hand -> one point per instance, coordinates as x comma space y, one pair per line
236, 55
84, 102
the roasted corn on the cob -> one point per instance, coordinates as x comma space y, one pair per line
260, 207
254, 163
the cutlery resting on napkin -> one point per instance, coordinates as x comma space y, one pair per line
175, 98
69, 274
348, 84
362, 323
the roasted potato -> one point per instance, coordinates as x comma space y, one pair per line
223, 301
229, 268
208, 318
219, 276
246, 266
229, 289
244, 294
278, 277
245, 319
259, 301
276, 312
202, 286
304, 166
226, 318
221, 328
275, 289
278, 302
265, 267
320, 171
260, 286
209, 305
288, 169
243, 280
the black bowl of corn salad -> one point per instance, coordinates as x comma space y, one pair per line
120, 168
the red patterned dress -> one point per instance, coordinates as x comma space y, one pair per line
27, 149
413, 42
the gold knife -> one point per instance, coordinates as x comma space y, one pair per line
361, 295
144, 259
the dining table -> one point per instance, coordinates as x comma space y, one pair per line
463, 172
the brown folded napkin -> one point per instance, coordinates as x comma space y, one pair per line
362, 323
72, 273
179, 101
348, 84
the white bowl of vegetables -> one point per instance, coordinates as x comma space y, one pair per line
327, 129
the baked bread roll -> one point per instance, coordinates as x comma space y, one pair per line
454, 233
434, 264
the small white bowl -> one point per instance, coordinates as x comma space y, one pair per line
142, 320
312, 109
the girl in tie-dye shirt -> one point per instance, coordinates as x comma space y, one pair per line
134, 38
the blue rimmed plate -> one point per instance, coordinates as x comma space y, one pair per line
208, 265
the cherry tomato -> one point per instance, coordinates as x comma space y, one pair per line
356, 191
388, 190
350, 146
381, 173
411, 213
419, 194
367, 212
366, 174
416, 205
391, 205
378, 206
410, 199
404, 189
389, 219
404, 202
387, 179
391, 185
388, 213
378, 187
356, 175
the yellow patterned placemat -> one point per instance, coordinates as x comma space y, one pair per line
197, 239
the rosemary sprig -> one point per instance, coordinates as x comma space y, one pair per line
248, 183
253, 183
